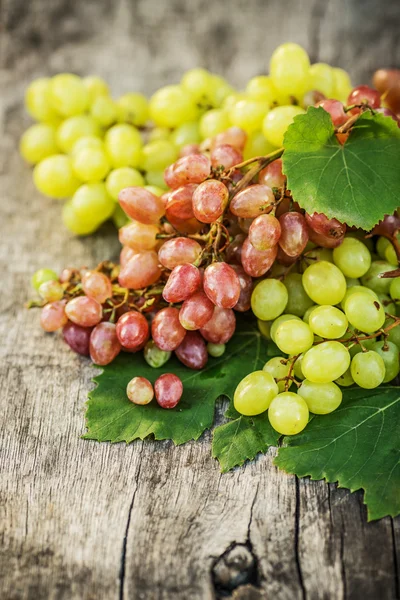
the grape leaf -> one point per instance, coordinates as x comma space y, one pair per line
112, 417
357, 446
358, 182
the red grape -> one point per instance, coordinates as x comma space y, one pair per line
142, 205
179, 203
225, 156
221, 327
294, 233
284, 259
327, 227
233, 252
336, 110
166, 329
323, 240
183, 281
252, 201
363, 94
272, 175
53, 316
193, 351
246, 288
234, 136
387, 82
210, 200
97, 285
221, 284
140, 391
132, 330
388, 226
264, 232
84, 311
196, 311
138, 236
140, 271
194, 168
104, 344
126, 254
189, 149
168, 389
179, 251
245, 224
257, 262
77, 337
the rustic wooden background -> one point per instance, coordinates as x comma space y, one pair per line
88, 521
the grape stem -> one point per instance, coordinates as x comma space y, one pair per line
262, 162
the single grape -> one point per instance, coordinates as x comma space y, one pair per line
104, 111
193, 351
141, 205
73, 129
279, 368
185, 135
75, 223
221, 327
210, 199
214, 122
194, 168
168, 390
269, 299
357, 289
216, 350
289, 69
38, 142
342, 84
196, 311
84, 311
255, 393
321, 78
294, 234
96, 87
389, 352
324, 283
132, 330
297, 370
140, 271
246, 289
394, 289
133, 109
288, 413
167, 330
179, 251
87, 141
54, 177
325, 362
139, 236
53, 316
140, 391
278, 321
92, 204
336, 111
171, 106
122, 178
179, 204
51, 291
277, 121
328, 322
265, 328
97, 285
364, 312
352, 257
233, 251
68, 95
317, 254
41, 276
363, 94
257, 145
248, 114
124, 146
234, 136
298, 302
388, 305
158, 155
90, 165
261, 88
77, 337
272, 175
225, 156
321, 398
154, 356
257, 262
368, 369
346, 379
294, 336
104, 344
222, 285
307, 314
183, 281
189, 149
252, 201
264, 232
373, 280
38, 101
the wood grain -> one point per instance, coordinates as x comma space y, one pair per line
88, 521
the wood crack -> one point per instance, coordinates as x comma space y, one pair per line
395, 563
296, 539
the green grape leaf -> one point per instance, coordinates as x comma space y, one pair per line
357, 445
358, 182
112, 417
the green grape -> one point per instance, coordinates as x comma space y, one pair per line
352, 257
38, 101
159, 133
41, 276
154, 356
257, 145
277, 121
54, 177
328, 322
254, 393
171, 106
154, 189
297, 370
87, 141
213, 122
288, 413
351, 282
278, 321
261, 88
342, 85
104, 111
355, 290
96, 87
321, 78
391, 256
321, 398
368, 369
364, 312
388, 305
307, 314
289, 69
393, 334
90, 164
317, 254
265, 328
248, 114
92, 204
394, 288
216, 350
51, 291
279, 368
75, 223
124, 146
381, 246
346, 379
187, 133
233, 99
325, 362
74, 128
69, 96
119, 217
156, 178
324, 283
294, 337
221, 90
121, 178
358, 347
269, 299
199, 84
299, 302
158, 155
389, 353
38, 142
133, 108
372, 280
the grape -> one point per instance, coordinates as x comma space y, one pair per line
264, 328
194, 168
210, 199
53, 316
168, 390
325, 362
214, 122
293, 337
368, 369
394, 289
171, 106
272, 175
233, 251
389, 352
179, 251
68, 95
388, 226
96, 86
336, 111
321, 78
246, 289
90, 165
364, 312
269, 299
193, 351
225, 156
277, 121
141, 205
324, 241
346, 379
388, 305
391, 256
318, 254
140, 391
324, 283
216, 350
87, 141
92, 204
288, 413
158, 154
255, 393
196, 311
248, 114
123, 145
73, 129
234, 136
363, 94
278, 321
189, 149
154, 356
132, 330
372, 280
156, 178
54, 177
97, 285
252, 201
328, 322
84, 311
38, 101
294, 235
307, 314
279, 368
387, 81
321, 398
330, 228
104, 344
199, 84
167, 330
140, 271
75, 223
38, 142
139, 236
352, 257
244, 224
354, 290
179, 204
133, 109
264, 232
257, 145
183, 281
51, 291
104, 111
77, 337
298, 301
41, 276
297, 371
342, 84
185, 135
261, 88
222, 285
289, 69
221, 327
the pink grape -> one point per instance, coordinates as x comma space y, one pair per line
194, 168
363, 94
138, 236
264, 232
234, 136
132, 330
66, 275
196, 311
53, 316
324, 241
246, 288
252, 201
84, 311
221, 284
97, 285
179, 203
168, 389
245, 224
221, 327
140, 391
140, 271
193, 351
327, 227
166, 329
187, 227
189, 149
77, 337
104, 344
233, 252
210, 200
336, 110
285, 259
179, 251
126, 254
226, 156
257, 262
183, 281
142, 205
272, 175
294, 233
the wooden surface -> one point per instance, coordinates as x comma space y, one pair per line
88, 521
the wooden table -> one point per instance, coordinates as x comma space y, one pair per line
89, 521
